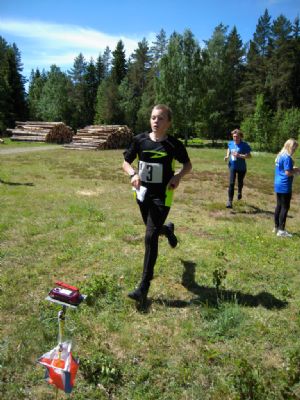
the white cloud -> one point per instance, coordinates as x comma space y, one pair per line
43, 44
65, 36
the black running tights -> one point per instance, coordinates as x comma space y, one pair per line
281, 210
232, 176
154, 214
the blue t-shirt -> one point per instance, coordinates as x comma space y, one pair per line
239, 164
282, 182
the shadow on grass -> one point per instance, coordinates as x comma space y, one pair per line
208, 295
253, 210
144, 308
16, 183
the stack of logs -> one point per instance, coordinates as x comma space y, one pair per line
101, 137
36, 131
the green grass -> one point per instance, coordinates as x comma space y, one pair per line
70, 215
8, 143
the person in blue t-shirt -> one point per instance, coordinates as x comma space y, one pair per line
238, 151
283, 182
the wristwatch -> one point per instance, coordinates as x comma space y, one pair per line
132, 175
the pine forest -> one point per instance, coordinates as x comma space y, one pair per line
212, 87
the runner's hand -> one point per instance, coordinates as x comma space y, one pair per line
135, 181
174, 182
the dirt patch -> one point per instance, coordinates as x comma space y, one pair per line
88, 193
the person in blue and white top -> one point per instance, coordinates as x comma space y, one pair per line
238, 151
283, 182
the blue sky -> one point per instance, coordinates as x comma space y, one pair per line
55, 32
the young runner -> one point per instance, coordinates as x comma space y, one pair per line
156, 152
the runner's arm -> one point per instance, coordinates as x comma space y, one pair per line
174, 181
134, 177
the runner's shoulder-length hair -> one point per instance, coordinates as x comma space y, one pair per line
237, 132
288, 148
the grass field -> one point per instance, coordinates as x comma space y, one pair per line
223, 318
8, 143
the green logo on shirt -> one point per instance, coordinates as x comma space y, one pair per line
156, 154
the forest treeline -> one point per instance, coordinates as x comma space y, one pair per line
212, 88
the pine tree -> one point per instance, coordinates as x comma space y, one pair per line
262, 34
139, 67
100, 69
262, 124
253, 82
234, 71
147, 102
159, 48
36, 84
213, 115
79, 94
118, 70
56, 99
296, 28
91, 81
107, 103
169, 77
281, 64
133, 86
107, 109
16, 82
286, 125
6, 109
106, 59
295, 74
256, 69
281, 31
179, 83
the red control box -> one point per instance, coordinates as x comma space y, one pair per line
66, 293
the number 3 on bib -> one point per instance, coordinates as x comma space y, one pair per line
150, 172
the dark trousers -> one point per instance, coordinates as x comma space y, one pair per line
281, 210
154, 214
232, 176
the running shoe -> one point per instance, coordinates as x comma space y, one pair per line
172, 239
281, 233
229, 204
139, 294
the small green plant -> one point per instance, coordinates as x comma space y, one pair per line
248, 381
99, 287
219, 276
100, 368
292, 368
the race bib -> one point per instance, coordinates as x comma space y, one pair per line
233, 158
150, 172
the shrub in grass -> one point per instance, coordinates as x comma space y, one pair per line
100, 368
219, 276
248, 381
101, 288
292, 369
226, 321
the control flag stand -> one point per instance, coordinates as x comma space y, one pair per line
61, 366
